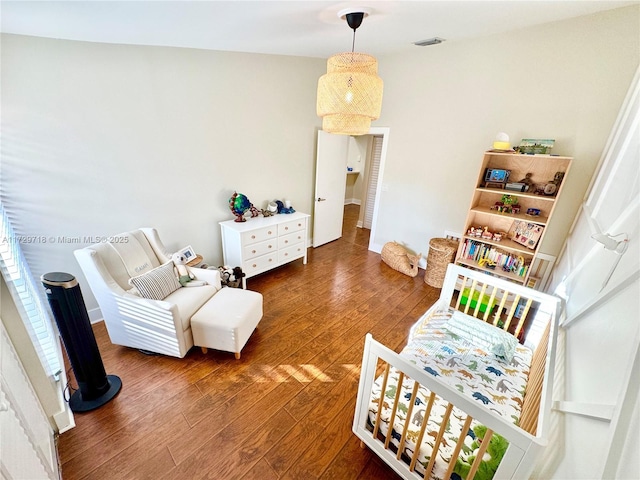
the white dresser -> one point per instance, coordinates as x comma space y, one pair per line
263, 243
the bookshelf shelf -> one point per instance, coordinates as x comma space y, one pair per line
510, 276
540, 220
509, 253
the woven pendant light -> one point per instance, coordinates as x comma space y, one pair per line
350, 93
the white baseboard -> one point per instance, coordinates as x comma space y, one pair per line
95, 315
375, 248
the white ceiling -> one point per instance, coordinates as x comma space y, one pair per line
294, 27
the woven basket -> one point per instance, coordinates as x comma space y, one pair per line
398, 258
442, 251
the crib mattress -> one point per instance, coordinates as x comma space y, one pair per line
492, 382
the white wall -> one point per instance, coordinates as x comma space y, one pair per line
99, 139
446, 103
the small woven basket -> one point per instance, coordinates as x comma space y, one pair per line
442, 251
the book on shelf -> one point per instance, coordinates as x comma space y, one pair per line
477, 251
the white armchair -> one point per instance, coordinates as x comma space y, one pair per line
161, 326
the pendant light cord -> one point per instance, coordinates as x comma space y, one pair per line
353, 43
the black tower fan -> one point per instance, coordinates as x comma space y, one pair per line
95, 387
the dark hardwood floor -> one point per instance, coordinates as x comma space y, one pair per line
285, 409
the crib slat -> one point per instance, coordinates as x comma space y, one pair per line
392, 419
456, 451
479, 302
472, 289
512, 312
523, 316
491, 300
532, 397
436, 445
376, 427
483, 448
496, 319
423, 429
407, 419
464, 283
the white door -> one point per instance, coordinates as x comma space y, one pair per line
331, 171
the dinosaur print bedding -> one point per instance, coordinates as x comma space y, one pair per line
490, 380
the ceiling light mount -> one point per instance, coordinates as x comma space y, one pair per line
363, 11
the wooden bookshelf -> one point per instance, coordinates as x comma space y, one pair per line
484, 214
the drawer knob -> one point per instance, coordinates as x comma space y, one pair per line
254, 265
271, 259
269, 232
253, 251
270, 246
286, 241
253, 236
299, 224
286, 228
286, 254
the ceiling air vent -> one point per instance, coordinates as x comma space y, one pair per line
429, 41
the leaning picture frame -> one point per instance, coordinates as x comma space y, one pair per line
188, 253
526, 233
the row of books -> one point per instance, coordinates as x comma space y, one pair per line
492, 257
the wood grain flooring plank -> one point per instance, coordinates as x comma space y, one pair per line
249, 452
349, 461
314, 461
206, 455
120, 440
260, 471
95, 436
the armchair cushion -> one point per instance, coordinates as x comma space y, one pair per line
156, 284
189, 300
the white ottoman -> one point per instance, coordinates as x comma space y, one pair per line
227, 320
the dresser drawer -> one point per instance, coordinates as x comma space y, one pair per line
259, 234
256, 249
291, 253
291, 226
290, 239
260, 264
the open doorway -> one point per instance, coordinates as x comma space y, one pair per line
365, 164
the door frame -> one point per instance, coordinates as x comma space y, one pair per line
385, 133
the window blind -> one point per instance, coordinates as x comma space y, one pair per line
24, 291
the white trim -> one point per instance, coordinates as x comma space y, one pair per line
602, 299
623, 414
619, 136
95, 315
591, 410
385, 132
